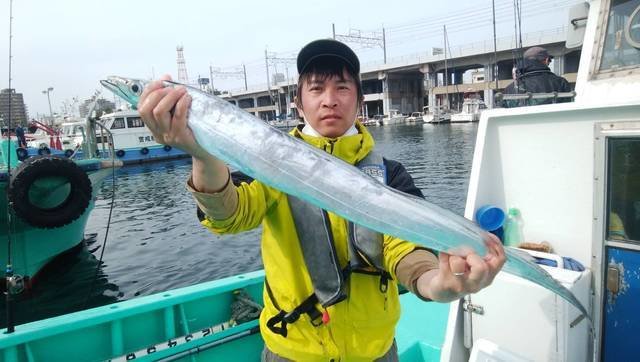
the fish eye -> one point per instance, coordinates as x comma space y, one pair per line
135, 88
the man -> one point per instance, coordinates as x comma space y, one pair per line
300, 321
534, 76
22, 141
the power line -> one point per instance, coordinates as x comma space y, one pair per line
434, 33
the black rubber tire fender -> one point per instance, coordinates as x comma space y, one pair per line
67, 211
22, 153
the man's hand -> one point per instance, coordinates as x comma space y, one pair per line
164, 111
458, 276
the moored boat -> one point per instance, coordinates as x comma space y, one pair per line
51, 197
435, 114
394, 117
131, 139
471, 110
415, 117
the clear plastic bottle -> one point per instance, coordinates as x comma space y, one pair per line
513, 228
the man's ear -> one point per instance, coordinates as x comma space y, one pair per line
296, 100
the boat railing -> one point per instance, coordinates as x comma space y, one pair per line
530, 99
104, 131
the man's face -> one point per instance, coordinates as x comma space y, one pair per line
329, 106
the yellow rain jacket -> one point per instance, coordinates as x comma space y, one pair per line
362, 327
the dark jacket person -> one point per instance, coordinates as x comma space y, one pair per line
534, 76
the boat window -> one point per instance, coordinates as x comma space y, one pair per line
622, 37
117, 123
133, 122
623, 194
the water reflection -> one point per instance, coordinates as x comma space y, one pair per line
156, 243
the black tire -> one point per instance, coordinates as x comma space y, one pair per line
144, 150
120, 153
62, 214
167, 148
68, 153
44, 151
22, 153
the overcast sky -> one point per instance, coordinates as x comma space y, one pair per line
71, 44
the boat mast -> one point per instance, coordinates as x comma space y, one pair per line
446, 71
495, 49
9, 277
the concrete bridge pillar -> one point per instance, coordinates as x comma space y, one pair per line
255, 104
489, 70
386, 97
457, 77
431, 81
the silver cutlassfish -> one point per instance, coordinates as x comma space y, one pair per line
294, 167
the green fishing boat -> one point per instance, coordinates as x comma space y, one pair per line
213, 321
50, 199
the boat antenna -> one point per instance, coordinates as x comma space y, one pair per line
448, 47
446, 70
518, 56
113, 199
11, 281
495, 46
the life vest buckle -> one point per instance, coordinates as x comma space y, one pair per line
292, 316
384, 282
273, 321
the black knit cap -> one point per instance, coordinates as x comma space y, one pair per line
538, 53
327, 48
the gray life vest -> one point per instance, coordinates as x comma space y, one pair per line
316, 241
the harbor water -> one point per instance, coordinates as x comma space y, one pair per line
155, 242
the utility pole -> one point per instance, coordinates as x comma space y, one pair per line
495, 47
211, 77
266, 64
446, 70
333, 26
288, 97
236, 74
384, 45
275, 60
368, 40
244, 73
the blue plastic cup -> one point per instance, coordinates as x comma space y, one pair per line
490, 217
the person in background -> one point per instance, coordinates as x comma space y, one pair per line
22, 141
534, 76
342, 307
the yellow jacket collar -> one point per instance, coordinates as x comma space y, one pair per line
348, 148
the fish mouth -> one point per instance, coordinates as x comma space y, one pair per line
114, 87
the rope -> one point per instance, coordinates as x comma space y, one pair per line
243, 309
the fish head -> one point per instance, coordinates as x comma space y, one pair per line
128, 89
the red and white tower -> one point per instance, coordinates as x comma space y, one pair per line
182, 66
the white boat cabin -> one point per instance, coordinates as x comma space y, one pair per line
128, 130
